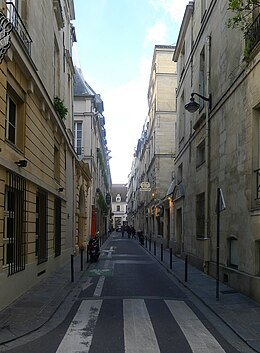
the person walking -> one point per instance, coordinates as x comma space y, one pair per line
133, 232
122, 230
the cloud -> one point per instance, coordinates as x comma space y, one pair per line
174, 8
156, 33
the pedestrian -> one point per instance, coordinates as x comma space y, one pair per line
140, 236
122, 230
133, 232
128, 229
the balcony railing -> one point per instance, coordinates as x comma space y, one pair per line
257, 171
252, 36
19, 27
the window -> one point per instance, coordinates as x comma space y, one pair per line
200, 215
56, 70
118, 208
57, 226
78, 137
233, 252
179, 174
181, 119
118, 198
14, 224
15, 115
11, 118
200, 157
56, 163
202, 77
41, 227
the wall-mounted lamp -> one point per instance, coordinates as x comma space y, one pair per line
193, 106
22, 163
60, 189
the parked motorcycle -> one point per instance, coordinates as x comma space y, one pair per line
93, 249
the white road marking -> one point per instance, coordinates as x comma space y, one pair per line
139, 335
86, 284
80, 332
198, 337
99, 286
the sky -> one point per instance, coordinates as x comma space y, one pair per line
114, 49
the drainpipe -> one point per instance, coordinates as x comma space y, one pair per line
207, 160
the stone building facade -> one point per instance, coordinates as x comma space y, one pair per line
119, 205
152, 171
38, 163
218, 146
91, 147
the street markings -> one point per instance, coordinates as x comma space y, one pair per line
105, 272
138, 330
198, 337
80, 332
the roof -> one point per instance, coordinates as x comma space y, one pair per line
120, 189
81, 87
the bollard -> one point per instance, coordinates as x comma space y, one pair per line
72, 267
146, 242
154, 248
170, 258
186, 268
81, 259
161, 252
87, 253
150, 245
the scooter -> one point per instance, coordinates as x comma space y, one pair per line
93, 249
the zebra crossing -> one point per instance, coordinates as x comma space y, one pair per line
139, 333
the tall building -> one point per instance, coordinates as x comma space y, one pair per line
218, 145
37, 158
153, 164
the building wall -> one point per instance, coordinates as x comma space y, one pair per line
231, 150
43, 140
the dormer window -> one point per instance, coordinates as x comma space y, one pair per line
118, 198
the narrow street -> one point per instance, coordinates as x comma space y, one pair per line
128, 303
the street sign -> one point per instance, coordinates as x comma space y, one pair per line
145, 186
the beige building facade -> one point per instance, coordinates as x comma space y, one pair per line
152, 170
218, 146
38, 179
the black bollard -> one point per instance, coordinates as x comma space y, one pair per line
154, 248
72, 267
87, 253
81, 259
146, 242
150, 244
171, 258
186, 268
161, 252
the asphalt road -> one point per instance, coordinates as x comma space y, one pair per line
128, 303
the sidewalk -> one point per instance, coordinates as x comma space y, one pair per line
238, 311
38, 305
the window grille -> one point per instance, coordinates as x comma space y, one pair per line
14, 224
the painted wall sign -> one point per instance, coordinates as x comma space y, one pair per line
5, 40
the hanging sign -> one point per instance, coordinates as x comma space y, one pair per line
5, 40
145, 186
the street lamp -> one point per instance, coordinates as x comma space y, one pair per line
193, 106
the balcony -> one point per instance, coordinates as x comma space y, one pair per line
19, 27
252, 36
257, 171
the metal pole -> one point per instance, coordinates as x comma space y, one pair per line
150, 244
72, 267
161, 252
186, 268
81, 259
217, 247
154, 248
170, 258
87, 253
146, 242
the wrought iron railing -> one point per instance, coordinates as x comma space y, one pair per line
257, 171
252, 36
19, 27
